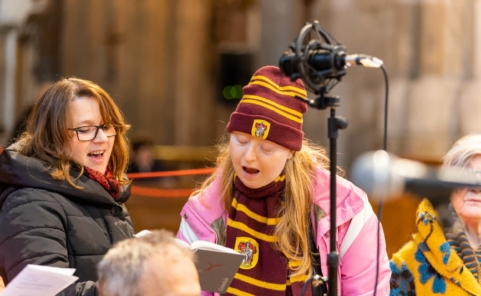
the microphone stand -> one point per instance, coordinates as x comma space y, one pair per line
334, 124
320, 63
300, 62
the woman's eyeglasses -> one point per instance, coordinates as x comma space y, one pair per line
89, 132
476, 173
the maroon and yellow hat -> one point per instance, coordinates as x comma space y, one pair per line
268, 109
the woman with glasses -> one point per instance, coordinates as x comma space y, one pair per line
63, 187
442, 259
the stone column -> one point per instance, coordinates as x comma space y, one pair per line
193, 100
433, 110
470, 98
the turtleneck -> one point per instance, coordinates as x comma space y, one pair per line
275, 188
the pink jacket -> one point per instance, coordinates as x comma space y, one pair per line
204, 218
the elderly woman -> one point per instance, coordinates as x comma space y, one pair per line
445, 262
63, 187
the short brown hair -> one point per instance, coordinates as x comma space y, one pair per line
121, 269
47, 132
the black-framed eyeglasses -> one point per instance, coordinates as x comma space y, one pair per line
89, 132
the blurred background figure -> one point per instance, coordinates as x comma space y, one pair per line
154, 264
143, 160
143, 156
451, 255
21, 121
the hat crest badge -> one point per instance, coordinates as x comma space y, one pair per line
260, 128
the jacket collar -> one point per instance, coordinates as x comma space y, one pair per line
348, 200
20, 171
432, 242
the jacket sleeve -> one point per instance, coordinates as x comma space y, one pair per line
358, 265
187, 234
33, 232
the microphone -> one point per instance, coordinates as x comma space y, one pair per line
362, 60
322, 61
383, 175
327, 61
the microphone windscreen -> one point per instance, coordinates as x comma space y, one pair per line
372, 173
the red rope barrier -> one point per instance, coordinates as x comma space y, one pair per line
204, 171
165, 193
161, 193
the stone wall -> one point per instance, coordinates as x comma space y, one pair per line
159, 60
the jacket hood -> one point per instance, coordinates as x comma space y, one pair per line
18, 171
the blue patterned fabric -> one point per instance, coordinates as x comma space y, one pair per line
430, 264
426, 271
402, 281
446, 249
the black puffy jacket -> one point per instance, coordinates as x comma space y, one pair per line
48, 222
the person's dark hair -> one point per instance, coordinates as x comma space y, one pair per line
140, 142
47, 135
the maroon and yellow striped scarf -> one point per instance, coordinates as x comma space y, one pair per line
250, 227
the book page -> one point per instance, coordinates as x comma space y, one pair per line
65, 271
35, 280
142, 233
204, 245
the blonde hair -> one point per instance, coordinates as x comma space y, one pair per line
292, 231
47, 134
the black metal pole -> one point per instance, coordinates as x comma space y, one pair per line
333, 256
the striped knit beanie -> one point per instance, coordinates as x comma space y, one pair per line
268, 109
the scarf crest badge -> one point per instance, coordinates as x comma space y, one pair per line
248, 247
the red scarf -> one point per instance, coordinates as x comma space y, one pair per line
107, 181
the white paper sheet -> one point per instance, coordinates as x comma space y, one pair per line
37, 280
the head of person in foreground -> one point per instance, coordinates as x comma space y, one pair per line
154, 264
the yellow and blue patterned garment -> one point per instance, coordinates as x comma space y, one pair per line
428, 264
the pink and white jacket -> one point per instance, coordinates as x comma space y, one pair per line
204, 218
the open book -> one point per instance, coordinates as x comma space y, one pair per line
216, 265
37, 280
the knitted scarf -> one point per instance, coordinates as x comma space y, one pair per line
252, 219
458, 240
107, 181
